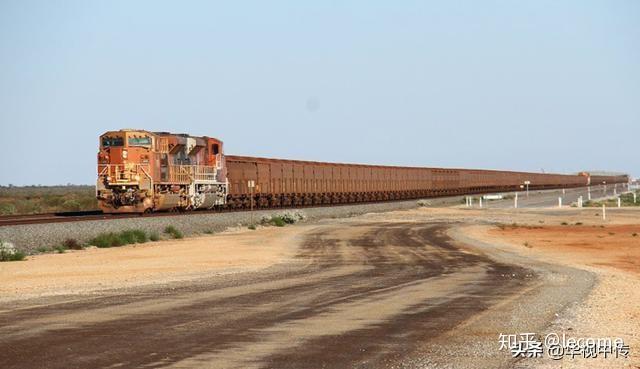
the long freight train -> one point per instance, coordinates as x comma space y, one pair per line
141, 171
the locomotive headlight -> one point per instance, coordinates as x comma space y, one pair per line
109, 178
124, 154
137, 178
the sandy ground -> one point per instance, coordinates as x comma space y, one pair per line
606, 248
384, 284
150, 263
612, 252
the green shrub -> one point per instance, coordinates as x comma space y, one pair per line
133, 236
109, 239
60, 249
8, 252
154, 236
173, 231
43, 249
112, 239
278, 221
252, 227
7, 209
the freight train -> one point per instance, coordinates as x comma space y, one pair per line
142, 171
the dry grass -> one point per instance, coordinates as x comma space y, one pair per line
46, 199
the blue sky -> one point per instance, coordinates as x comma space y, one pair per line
521, 85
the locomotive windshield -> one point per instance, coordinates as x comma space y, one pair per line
139, 141
112, 141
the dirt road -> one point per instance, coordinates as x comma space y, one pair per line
359, 295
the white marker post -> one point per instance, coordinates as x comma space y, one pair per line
559, 202
580, 201
480, 198
634, 197
604, 212
589, 193
619, 202
563, 191
252, 185
515, 201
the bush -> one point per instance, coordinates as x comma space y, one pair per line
109, 239
113, 239
278, 221
43, 249
72, 244
7, 209
133, 236
252, 227
282, 219
175, 233
154, 236
8, 252
423, 203
71, 205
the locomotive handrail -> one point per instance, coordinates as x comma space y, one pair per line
189, 173
124, 172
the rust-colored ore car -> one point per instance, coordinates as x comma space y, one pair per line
143, 171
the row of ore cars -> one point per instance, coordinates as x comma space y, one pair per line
141, 171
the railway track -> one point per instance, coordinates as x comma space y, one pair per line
44, 218
12, 220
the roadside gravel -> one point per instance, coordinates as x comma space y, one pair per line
32, 236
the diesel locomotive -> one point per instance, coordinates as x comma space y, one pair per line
142, 171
